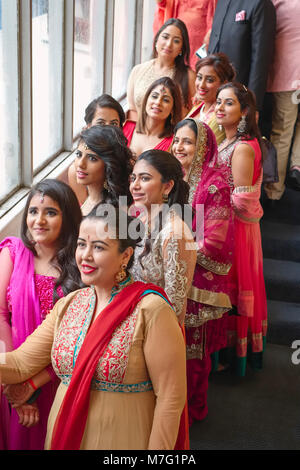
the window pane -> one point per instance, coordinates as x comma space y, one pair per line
47, 79
88, 56
124, 21
147, 38
9, 135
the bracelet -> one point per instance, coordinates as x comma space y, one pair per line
30, 381
34, 396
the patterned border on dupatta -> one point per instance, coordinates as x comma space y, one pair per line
216, 299
205, 314
244, 189
212, 265
196, 167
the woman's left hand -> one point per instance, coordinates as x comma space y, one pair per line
18, 394
28, 415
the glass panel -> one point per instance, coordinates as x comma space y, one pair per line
9, 101
88, 56
47, 79
147, 38
124, 22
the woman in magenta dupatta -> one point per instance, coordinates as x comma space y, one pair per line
160, 112
27, 296
208, 300
240, 157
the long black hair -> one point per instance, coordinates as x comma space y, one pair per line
247, 102
110, 144
103, 101
64, 259
189, 123
175, 114
122, 233
170, 169
182, 60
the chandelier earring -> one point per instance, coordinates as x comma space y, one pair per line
121, 275
242, 125
105, 185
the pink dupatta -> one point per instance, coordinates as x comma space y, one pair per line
25, 314
209, 187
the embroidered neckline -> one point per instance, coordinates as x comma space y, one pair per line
229, 144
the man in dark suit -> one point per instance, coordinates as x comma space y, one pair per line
245, 30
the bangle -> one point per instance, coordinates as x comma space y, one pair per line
34, 396
30, 381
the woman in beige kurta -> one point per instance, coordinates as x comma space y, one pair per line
171, 53
167, 253
138, 390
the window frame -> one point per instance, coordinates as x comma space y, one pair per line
57, 164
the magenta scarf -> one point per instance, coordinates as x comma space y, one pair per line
208, 187
25, 314
246, 201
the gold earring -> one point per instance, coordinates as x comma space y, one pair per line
165, 198
105, 185
121, 275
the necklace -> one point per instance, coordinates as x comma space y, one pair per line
205, 114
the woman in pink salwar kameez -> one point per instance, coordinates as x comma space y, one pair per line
240, 157
35, 272
195, 147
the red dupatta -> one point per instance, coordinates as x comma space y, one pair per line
71, 419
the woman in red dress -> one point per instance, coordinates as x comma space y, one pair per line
160, 112
240, 157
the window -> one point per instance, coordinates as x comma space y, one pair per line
55, 57
88, 56
9, 102
123, 51
147, 35
47, 79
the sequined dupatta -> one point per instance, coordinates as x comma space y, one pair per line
212, 223
206, 152
209, 189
